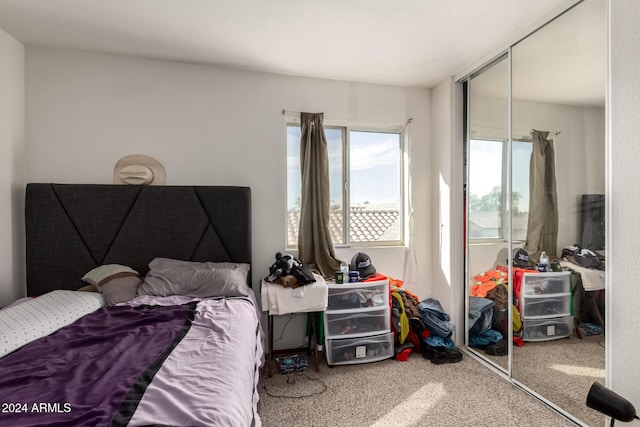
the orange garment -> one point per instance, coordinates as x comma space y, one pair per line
482, 289
375, 277
517, 278
491, 275
486, 281
397, 283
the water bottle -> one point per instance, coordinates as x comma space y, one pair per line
544, 262
344, 267
342, 275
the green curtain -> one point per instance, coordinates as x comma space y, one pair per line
315, 247
542, 227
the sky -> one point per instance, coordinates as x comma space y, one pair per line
374, 166
485, 169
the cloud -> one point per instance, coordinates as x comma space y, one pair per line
385, 153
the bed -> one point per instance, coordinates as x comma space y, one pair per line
173, 335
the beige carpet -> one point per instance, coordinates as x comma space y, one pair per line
397, 394
563, 371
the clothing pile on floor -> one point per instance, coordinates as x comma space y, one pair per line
488, 312
421, 326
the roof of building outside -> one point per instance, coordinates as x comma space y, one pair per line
368, 224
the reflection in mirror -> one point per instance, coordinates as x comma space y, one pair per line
558, 92
488, 227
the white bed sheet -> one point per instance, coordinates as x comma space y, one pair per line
22, 323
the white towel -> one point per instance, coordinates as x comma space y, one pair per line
592, 280
277, 300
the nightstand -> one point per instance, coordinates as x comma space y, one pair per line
278, 300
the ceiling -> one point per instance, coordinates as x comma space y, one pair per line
414, 43
563, 62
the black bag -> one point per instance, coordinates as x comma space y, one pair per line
286, 265
588, 259
303, 274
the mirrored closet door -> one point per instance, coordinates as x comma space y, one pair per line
488, 225
540, 197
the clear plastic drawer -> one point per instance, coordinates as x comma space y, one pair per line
357, 295
352, 323
546, 283
359, 350
547, 329
558, 305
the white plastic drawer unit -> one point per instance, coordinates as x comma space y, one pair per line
358, 295
547, 329
359, 350
546, 283
546, 306
356, 322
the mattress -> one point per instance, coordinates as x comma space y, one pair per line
175, 360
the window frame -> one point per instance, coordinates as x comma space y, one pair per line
505, 203
345, 184
529, 141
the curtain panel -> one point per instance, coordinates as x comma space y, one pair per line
542, 227
315, 247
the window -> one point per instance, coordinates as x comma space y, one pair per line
487, 184
365, 174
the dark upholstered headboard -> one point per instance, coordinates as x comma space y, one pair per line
72, 228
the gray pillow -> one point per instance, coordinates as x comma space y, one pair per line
120, 289
195, 279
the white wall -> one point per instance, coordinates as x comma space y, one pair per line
12, 147
623, 233
209, 126
446, 201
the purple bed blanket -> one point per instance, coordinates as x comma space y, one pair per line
135, 365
